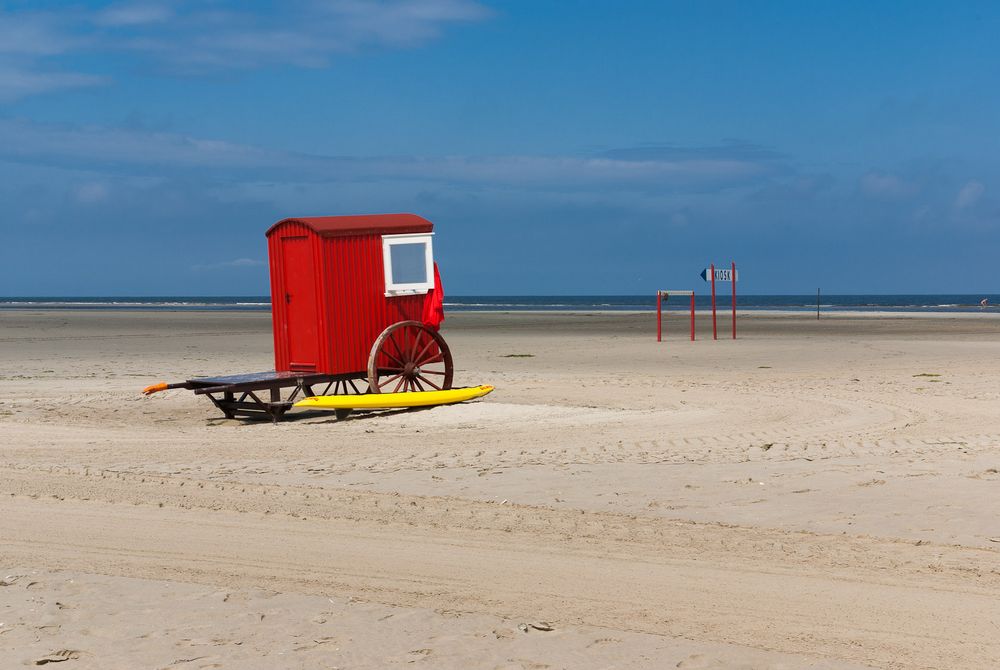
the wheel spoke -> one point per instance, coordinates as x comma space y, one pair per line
416, 343
433, 356
416, 382
402, 340
385, 351
400, 383
399, 352
420, 356
390, 379
432, 372
405, 351
428, 382
396, 342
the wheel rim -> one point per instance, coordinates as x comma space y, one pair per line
409, 356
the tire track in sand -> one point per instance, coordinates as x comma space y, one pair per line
868, 600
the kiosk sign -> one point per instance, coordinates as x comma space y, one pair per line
720, 274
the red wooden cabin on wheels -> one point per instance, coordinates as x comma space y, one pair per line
350, 303
332, 288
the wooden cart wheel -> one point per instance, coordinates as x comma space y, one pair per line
409, 356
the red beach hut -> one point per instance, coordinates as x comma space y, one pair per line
348, 294
355, 304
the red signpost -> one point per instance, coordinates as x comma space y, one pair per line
734, 300
692, 316
659, 316
659, 311
710, 274
715, 330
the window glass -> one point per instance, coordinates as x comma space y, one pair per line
409, 263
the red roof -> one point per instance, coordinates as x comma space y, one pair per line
366, 224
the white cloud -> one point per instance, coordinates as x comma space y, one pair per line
26, 40
886, 186
18, 83
36, 34
130, 151
107, 147
399, 23
969, 194
303, 34
237, 264
133, 14
91, 193
200, 38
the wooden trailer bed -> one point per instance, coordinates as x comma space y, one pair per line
263, 394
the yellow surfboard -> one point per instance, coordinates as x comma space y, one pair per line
393, 400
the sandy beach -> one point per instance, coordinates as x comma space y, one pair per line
816, 494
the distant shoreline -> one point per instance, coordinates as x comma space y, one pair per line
877, 305
751, 313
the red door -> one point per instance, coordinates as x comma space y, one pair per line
300, 304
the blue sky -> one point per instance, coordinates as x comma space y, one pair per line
584, 147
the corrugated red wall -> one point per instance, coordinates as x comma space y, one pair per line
353, 308
354, 300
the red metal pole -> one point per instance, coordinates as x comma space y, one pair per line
692, 316
734, 300
715, 331
659, 319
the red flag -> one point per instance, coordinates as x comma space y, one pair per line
434, 303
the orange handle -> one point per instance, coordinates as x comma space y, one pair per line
155, 388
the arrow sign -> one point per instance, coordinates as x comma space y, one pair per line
720, 274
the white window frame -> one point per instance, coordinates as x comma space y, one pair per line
393, 288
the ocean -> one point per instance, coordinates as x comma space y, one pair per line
599, 303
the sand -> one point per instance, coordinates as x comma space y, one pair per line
813, 495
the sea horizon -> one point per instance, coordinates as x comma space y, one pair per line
945, 302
